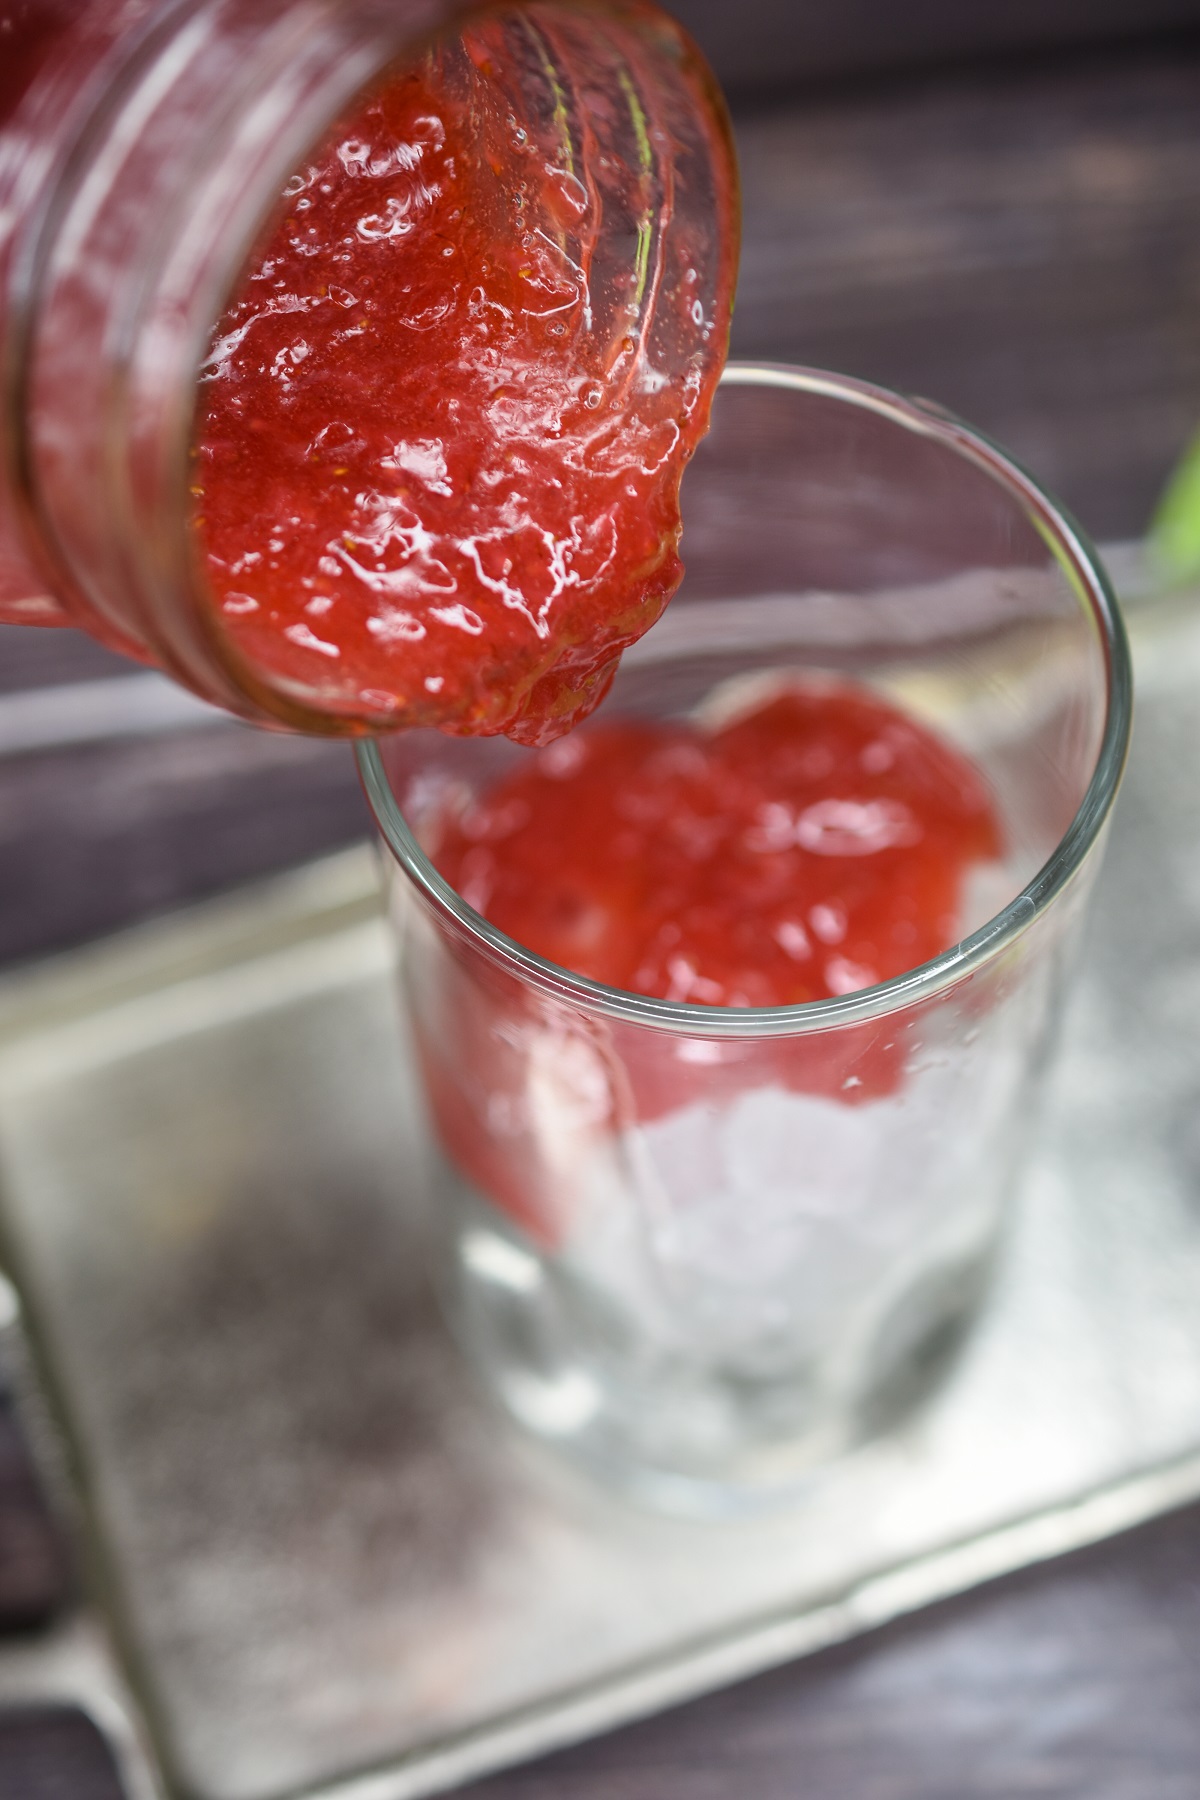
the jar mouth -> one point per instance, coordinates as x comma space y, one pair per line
1080, 562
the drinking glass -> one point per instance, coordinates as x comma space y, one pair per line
704, 1249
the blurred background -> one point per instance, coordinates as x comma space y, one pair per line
995, 207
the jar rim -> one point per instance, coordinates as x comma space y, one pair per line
1075, 551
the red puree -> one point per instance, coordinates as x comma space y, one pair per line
805, 849
444, 420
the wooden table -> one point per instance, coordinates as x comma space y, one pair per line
1021, 243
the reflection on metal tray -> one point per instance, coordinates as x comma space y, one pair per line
326, 1565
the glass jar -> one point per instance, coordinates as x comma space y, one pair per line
143, 144
143, 147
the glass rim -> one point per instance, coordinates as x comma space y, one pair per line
1081, 564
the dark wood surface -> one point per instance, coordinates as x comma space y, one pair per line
1023, 244
35, 1574
54, 1753
772, 44
1077, 1681
769, 44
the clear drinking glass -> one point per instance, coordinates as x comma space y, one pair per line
691, 1244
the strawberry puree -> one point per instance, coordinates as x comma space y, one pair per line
809, 848
444, 419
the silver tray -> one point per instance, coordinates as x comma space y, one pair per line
319, 1564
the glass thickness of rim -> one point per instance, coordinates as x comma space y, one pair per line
1070, 547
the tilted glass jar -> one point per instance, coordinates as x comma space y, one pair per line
144, 144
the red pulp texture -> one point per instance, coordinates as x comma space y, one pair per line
809, 848
812, 846
444, 419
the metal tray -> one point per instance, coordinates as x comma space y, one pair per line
319, 1564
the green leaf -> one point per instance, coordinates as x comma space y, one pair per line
1175, 528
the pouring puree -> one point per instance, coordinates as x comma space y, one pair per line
444, 418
